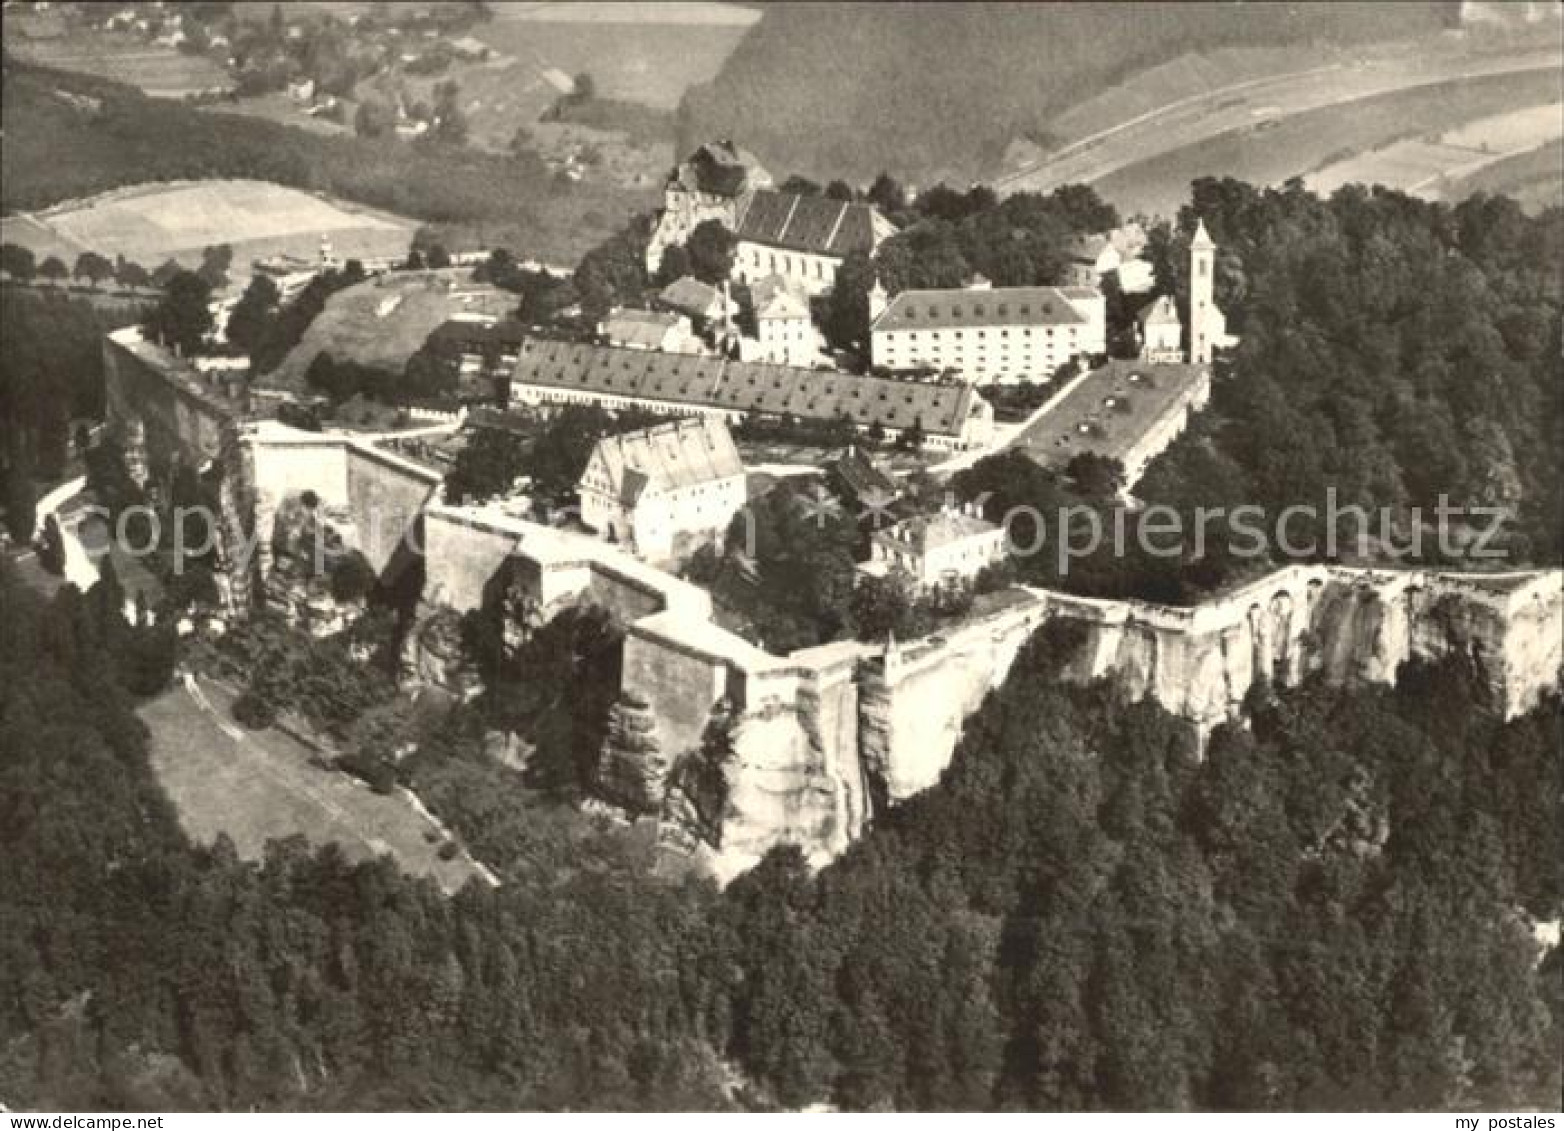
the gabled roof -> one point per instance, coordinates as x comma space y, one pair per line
960, 306
815, 224
860, 477
940, 408
1088, 249
720, 168
693, 297
1160, 311
926, 532
644, 328
774, 298
668, 457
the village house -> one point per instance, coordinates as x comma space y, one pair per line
649, 330
784, 333
659, 488
704, 305
1161, 332
987, 334
950, 546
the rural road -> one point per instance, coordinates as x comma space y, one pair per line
1247, 105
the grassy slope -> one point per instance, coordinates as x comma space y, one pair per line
937, 90
56, 149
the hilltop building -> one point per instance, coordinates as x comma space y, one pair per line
804, 239
953, 545
987, 334
653, 488
709, 184
950, 414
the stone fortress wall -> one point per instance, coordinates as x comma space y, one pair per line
826, 736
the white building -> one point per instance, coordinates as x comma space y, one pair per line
1207, 323
1161, 332
784, 333
662, 487
803, 239
987, 334
954, 545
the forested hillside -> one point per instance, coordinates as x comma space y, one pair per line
1393, 351
936, 91
1327, 911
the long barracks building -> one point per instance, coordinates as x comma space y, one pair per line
952, 415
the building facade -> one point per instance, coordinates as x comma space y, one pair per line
952, 546
988, 334
1161, 332
655, 488
784, 332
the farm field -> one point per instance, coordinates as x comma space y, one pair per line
152, 68
1271, 152
1265, 103
1430, 166
646, 53
255, 786
1535, 178
385, 320
151, 223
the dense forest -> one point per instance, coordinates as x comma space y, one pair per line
1329, 910
69, 136
1392, 350
947, 86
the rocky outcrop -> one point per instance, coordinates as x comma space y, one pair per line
632, 771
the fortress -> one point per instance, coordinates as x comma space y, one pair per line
823, 739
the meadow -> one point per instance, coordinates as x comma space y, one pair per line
151, 223
1271, 152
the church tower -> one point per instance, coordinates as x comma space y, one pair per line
1203, 316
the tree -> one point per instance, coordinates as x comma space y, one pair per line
436, 257
18, 262
373, 118
128, 273
215, 262
887, 194
93, 267
182, 319
675, 264
840, 190
583, 88
450, 123
710, 249
21, 513
800, 185
53, 269
254, 313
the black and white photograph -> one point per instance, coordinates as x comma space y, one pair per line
753, 556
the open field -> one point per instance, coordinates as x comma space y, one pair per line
646, 53
256, 786
383, 321
1262, 104
1535, 179
150, 223
1429, 166
1272, 151
153, 68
